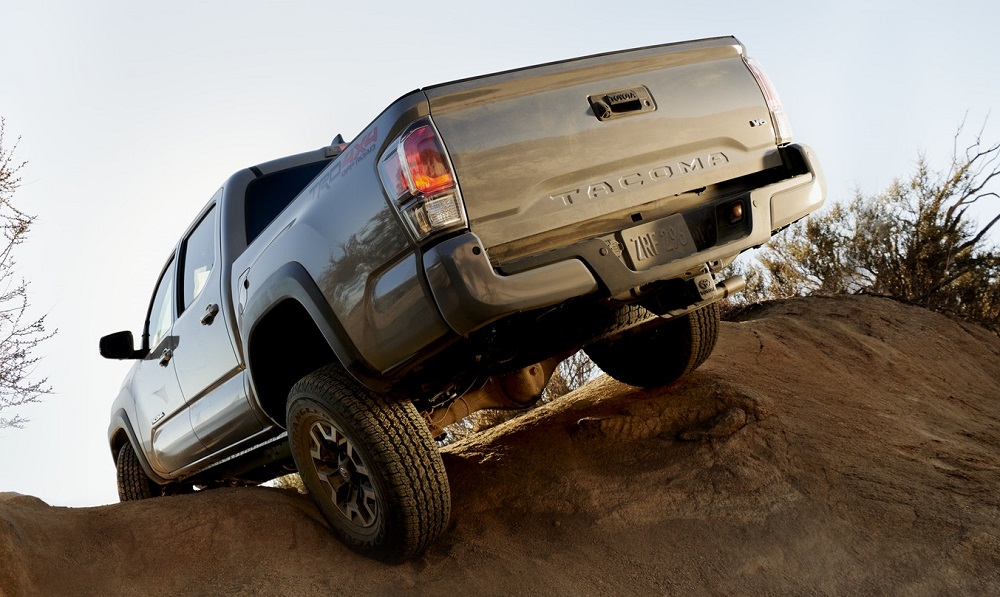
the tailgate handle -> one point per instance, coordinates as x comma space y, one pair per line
621, 102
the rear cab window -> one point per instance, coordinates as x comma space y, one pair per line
268, 195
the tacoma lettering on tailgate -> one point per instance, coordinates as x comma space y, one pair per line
627, 182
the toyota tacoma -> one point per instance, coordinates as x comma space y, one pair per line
333, 311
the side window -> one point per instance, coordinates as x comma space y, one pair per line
269, 195
198, 259
161, 311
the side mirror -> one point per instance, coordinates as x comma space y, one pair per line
120, 346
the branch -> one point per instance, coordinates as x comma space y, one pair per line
975, 240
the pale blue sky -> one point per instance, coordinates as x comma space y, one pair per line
131, 116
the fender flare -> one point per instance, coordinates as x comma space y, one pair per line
292, 282
120, 420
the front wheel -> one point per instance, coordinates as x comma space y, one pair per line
133, 484
657, 356
370, 465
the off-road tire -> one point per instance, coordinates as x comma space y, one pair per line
370, 465
660, 355
133, 484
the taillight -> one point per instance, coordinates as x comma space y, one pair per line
416, 173
782, 128
426, 168
393, 179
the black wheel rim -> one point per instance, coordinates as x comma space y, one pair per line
343, 473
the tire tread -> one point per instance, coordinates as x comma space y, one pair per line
418, 500
133, 484
659, 355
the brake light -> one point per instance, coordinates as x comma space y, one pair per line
426, 169
782, 127
417, 175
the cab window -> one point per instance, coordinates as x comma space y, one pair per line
161, 310
267, 196
198, 257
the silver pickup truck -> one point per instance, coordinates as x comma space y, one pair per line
333, 311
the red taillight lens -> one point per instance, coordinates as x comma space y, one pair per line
426, 169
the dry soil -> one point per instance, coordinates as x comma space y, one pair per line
841, 445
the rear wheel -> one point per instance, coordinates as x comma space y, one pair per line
369, 463
133, 484
657, 356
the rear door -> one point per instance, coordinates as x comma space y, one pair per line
205, 359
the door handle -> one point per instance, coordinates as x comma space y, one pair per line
165, 357
210, 312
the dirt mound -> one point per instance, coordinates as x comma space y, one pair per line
830, 445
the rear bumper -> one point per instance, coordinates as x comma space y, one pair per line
793, 199
470, 293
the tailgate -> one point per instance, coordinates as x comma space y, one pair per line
540, 165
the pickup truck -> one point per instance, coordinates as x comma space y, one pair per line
333, 311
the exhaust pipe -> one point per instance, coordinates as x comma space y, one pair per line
731, 286
672, 304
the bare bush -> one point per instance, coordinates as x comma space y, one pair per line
919, 240
291, 481
19, 334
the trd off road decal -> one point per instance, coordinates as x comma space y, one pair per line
359, 150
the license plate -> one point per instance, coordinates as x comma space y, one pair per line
657, 242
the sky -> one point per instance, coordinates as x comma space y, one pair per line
132, 114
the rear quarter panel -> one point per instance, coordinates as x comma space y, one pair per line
342, 230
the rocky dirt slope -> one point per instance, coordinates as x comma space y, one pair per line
830, 445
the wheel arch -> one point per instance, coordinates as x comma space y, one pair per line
292, 332
120, 433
